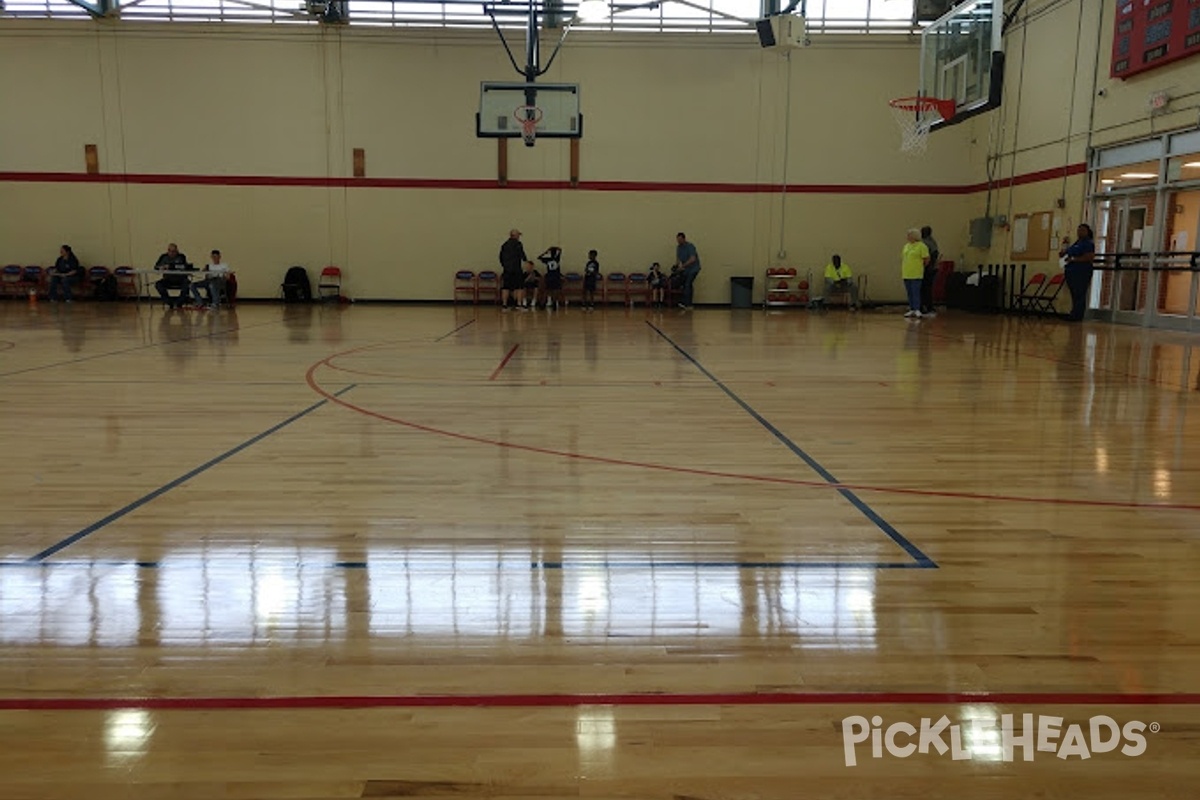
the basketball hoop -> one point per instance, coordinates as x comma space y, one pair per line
529, 117
915, 116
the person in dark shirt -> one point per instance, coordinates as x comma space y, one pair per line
172, 260
65, 273
591, 276
512, 258
1078, 268
929, 278
553, 282
689, 263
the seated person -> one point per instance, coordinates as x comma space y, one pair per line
838, 278
65, 273
214, 283
175, 261
533, 285
658, 282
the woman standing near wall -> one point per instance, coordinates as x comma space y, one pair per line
913, 260
1078, 269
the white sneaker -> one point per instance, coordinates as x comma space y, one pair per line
917, 315
910, 313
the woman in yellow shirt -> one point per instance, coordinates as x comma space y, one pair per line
913, 259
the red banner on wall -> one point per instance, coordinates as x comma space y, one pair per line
1151, 33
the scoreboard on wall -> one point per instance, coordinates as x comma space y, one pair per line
1151, 33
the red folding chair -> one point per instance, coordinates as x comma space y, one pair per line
127, 283
1044, 302
615, 288
465, 286
1028, 296
329, 285
10, 280
487, 287
637, 286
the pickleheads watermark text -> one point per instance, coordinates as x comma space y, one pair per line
1003, 738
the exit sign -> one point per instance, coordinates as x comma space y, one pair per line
1151, 33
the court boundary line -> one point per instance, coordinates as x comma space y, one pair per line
334, 702
504, 362
859, 504
129, 508
136, 348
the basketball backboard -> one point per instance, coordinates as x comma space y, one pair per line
962, 59
502, 108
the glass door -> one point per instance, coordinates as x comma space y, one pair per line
1177, 290
1127, 227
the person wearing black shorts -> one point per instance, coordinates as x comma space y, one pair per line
553, 285
532, 282
512, 280
591, 277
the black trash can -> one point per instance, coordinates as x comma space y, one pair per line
741, 292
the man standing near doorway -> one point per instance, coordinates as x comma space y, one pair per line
512, 264
687, 259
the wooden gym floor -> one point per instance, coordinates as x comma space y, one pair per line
331, 552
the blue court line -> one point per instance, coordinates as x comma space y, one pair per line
141, 501
922, 560
456, 330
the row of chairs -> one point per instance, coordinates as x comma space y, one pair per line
17, 281
1039, 294
615, 287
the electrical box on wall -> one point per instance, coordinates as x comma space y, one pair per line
981, 232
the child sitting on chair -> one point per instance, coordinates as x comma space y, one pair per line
657, 285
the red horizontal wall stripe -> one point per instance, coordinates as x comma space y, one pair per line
472, 184
570, 700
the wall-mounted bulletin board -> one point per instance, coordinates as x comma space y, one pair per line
1031, 235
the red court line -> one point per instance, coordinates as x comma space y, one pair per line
574, 700
503, 362
620, 462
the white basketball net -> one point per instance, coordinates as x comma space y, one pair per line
529, 117
915, 117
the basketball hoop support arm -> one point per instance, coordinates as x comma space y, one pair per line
533, 69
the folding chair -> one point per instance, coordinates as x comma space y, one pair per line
573, 287
615, 288
94, 276
10, 280
329, 285
487, 287
638, 286
1044, 302
465, 286
1025, 299
34, 278
127, 282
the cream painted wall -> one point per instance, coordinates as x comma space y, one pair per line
280, 102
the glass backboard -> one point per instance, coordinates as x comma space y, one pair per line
962, 58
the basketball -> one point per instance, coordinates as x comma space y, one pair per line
791, 272
781, 285
803, 284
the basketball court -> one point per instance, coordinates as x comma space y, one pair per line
379, 552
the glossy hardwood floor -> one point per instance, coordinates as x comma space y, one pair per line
392, 551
